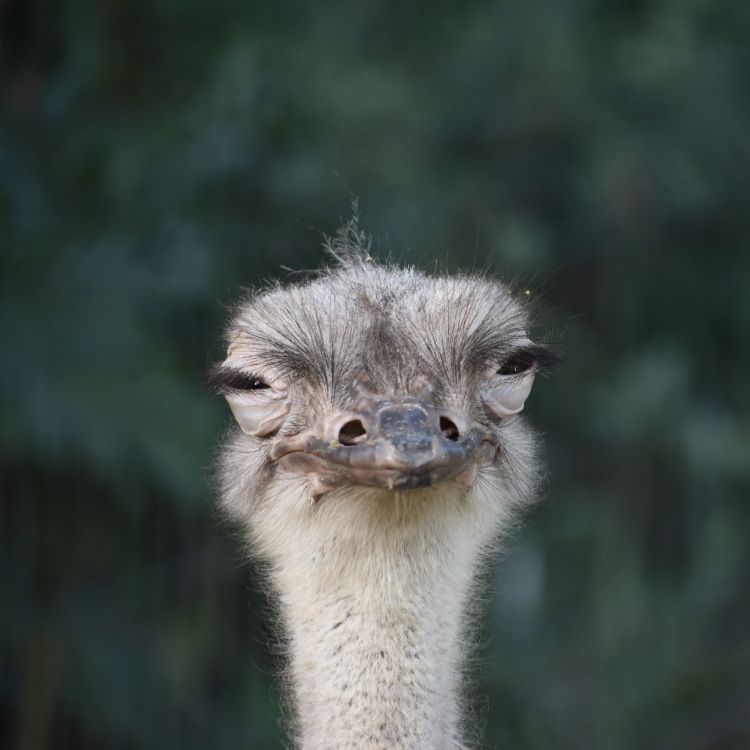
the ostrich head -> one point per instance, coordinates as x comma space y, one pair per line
382, 384
379, 451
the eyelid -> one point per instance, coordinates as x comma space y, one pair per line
256, 413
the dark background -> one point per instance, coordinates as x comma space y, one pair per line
156, 157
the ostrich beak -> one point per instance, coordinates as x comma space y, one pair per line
394, 444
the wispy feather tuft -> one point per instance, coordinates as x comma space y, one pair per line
350, 246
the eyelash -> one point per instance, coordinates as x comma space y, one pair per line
538, 358
515, 365
225, 379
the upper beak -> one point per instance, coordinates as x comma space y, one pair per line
396, 444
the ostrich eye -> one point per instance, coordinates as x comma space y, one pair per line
504, 394
516, 365
527, 358
259, 408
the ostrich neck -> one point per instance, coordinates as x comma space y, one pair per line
376, 635
376, 662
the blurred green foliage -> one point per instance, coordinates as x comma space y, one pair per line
155, 157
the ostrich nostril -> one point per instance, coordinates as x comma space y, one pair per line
352, 432
449, 429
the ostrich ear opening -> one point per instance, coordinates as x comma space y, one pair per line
258, 413
505, 396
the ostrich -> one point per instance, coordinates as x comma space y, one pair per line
379, 457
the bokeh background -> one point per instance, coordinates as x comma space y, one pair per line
157, 157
